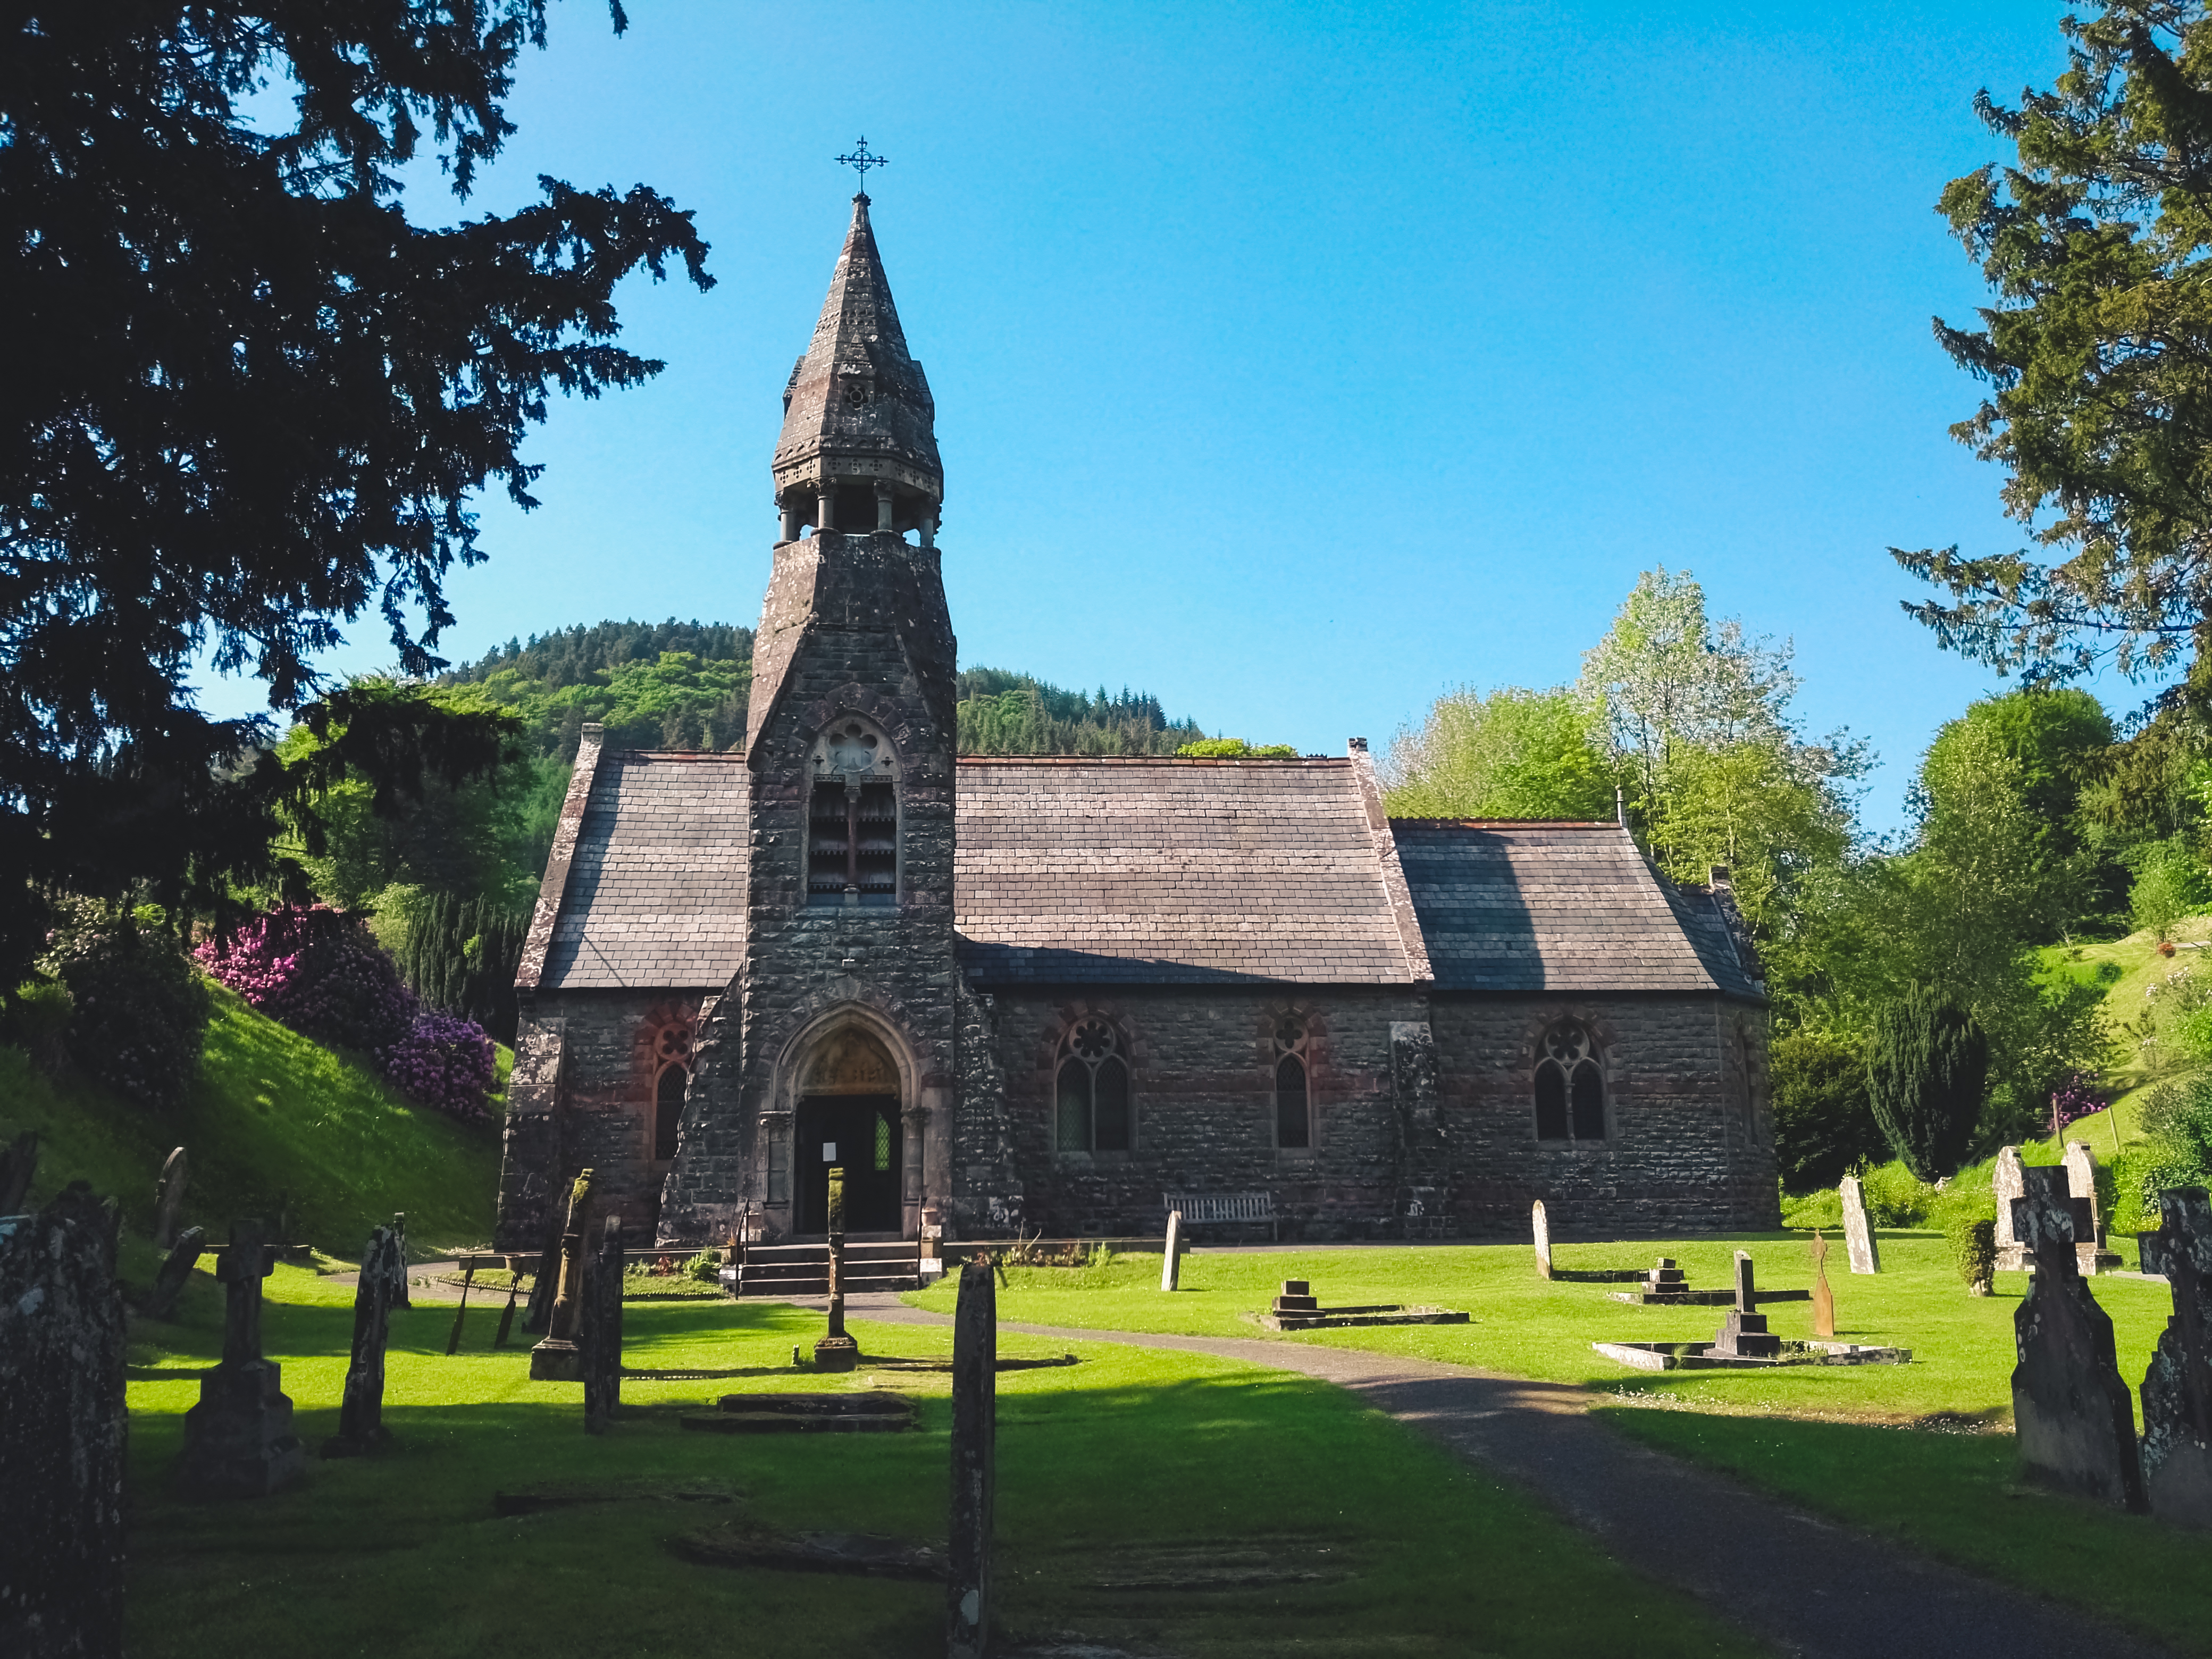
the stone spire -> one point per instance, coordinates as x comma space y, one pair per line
858, 424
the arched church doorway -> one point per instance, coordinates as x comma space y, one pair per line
848, 1116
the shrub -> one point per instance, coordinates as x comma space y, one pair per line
1824, 1124
138, 1013
38, 1022
1234, 749
318, 971
1895, 1197
1925, 1075
446, 1063
2170, 884
2176, 1151
1973, 1241
706, 1267
2077, 1097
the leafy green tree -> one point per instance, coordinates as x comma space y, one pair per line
1233, 749
1002, 713
2170, 883
652, 685
247, 397
1513, 754
1824, 1122
1926, 1067
2098, 353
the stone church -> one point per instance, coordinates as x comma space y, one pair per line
1046, 992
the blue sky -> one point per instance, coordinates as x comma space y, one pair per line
1297, 363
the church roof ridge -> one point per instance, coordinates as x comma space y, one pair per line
1152, 760
1506, 823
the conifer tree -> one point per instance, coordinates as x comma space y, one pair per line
1924, 1077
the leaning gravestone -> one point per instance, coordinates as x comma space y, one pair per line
2008, 1183
360, 1412
1541, 1225
1858, 1236
974, 1462
599, 1330
1171, 1264
2074, 1417
555, 1359
175, 1274
237, 1440
400, 1297
2177, 1390
60, 1433
169, 1198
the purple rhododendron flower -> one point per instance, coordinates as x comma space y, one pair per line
318, 971
444, 1062
2075, 1098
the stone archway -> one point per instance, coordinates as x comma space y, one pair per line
848, 1115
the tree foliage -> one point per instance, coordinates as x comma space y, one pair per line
1926, 1068
1002, 713
249, 399
1512, 754
652, 685
1824, 1122
2098, 354
137, 1010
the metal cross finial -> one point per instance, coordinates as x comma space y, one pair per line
861, 159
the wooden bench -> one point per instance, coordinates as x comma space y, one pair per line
1212, 1209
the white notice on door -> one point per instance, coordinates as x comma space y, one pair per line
829, 1151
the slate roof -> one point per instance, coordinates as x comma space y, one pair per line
656, 892
1170, 871
1552, 906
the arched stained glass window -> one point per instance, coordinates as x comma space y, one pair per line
1094, 1112
1570, 1085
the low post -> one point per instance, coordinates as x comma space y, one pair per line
361, 1411
974, 1462
1171, 1266
837, 1351
556, 1359
60, 1433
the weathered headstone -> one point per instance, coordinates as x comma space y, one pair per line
2177, 1390
1172, 1263
1540, 1225
60, 1433
1824, 1299
400, 1295
169, 1198
1745, 1335
599, 1332
545, 1283
975, 1471
555, 1358
837, 1351
1858, 1233
360, 1410
2081, 1184
176, 1273
2074, 1419
2007, 1185
19, 1161
237, 1440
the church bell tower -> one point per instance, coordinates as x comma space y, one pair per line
832, 1046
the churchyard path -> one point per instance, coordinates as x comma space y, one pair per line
1808, 1586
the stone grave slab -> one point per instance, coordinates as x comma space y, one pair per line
861, 1555
873, 1412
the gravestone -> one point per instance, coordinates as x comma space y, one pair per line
2074, 1419
2177, 1390
19, 1161
837, 1351
1858, 1236
1541, 1225
1745, 1335
2082, 1183
975, 1470
176, 1273
599, 1331
360, 1410
544, 1284
169, 1198
2007, 1184
237, 1440
1296, 1298
1666, 1282
555, 1358
1824, 1299
61, 1432
1171, 1264
400, 1295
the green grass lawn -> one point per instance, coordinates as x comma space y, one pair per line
1919, 1451
402, 1554
272, 1117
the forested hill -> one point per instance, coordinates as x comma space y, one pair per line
684, 685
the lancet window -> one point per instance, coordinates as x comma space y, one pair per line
1293, 1090
853, 825
1094, 1112
672, 1052
1570, 1085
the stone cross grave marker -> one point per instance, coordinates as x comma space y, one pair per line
1824, 1299
2177, 1390
176, 1271
2082, 1183
555, 1358
361, 1409
169, 1198
61, 1432
2073, 1418
2008, 1184
237, 1440
1171, 1265
600, 1331
1540, 1225
1745, 1335
837, 1351
974, 1462
1858, 1236
19, 1161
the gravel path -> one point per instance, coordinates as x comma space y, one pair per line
1806, 1585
